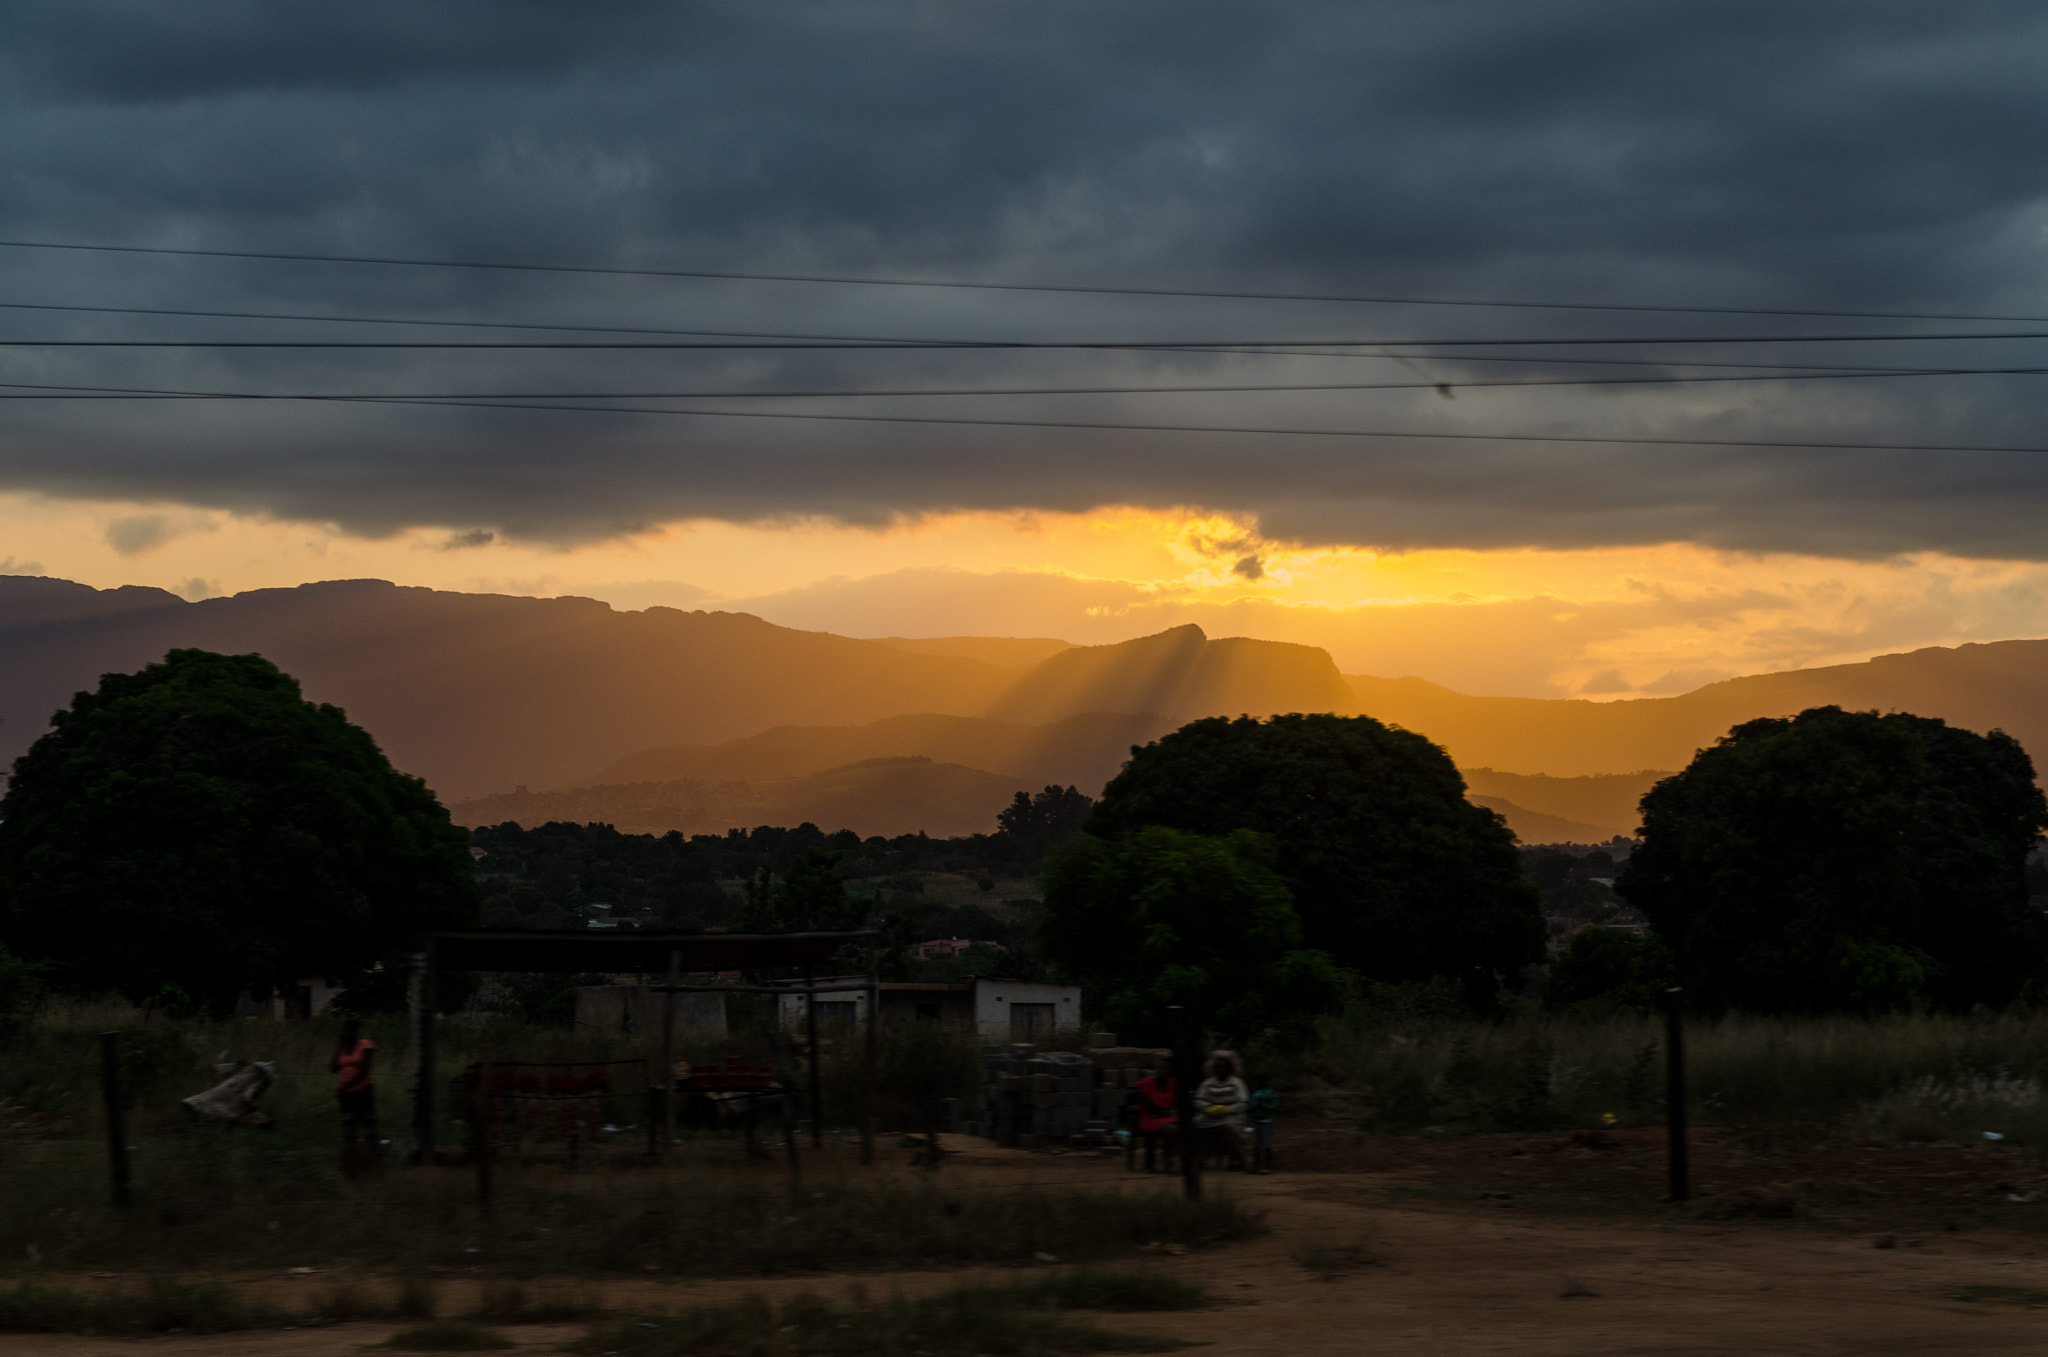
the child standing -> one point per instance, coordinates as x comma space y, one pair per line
1264, 1103
354, 1083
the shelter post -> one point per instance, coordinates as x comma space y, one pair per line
426, 987
668, 1050
117, 1128
1187, 1070
811, 1046
480, 1132
785, 1074
1674, 1092
868, 1059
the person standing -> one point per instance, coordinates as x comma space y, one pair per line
355, 1083
1264, 1103
1220, 1103
1158, 1104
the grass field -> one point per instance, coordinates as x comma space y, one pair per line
217, 1198
1925, 1078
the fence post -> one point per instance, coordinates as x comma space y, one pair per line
811, 1041
785, 1074
1186, 1069
117, 1130
868, 1059
480, 1131
426, 970
668, 1050
1674, 1092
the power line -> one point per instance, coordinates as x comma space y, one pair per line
23, 390
970, 285
1095, 425
1252, 345
415, 320
886, 339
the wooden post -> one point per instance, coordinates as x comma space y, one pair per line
817, 1082
1187, 1066
426, 984
1674, 1092
480, 1133
868, 1060
117, 1128
785, 1074
668, 1050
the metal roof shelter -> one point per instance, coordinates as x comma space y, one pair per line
673, 954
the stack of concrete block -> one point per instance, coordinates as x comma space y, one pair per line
1034, 1099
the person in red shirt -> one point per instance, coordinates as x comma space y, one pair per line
354, 1083
1158, 1113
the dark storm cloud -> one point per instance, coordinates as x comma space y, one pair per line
1863, 156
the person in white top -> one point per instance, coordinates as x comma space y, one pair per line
1220, 1103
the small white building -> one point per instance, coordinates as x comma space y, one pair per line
1000, 1011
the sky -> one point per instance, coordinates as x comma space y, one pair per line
1790, 201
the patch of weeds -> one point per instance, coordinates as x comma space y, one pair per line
416, 1298
1329, 1261
1082, 1289
511, 1303
447, 1335
1760, 1203
2005, 1295
37, 1307
970, 1320
346, 1301
164, 1305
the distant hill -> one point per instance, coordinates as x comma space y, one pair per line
887, 796
1004, 652
1176, 673
480, 692
1599, 807
1084, 751
1535, 827
1981, 687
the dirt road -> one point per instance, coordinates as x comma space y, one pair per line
1347, 1269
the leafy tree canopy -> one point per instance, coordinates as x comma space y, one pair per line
199, 827
1162, 916
1043, 822
1393, 872
1602, 970
1844, 860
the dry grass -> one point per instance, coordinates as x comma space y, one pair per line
991, 1321
447, 1335
1893, 1080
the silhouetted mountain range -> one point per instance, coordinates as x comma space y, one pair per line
702, 720
480, 692
886, 796
1997, 685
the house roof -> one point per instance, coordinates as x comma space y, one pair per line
566, 953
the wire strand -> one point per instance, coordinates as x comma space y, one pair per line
993, 344
1095, 425
983, 286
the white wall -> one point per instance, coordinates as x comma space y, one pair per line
992, 1000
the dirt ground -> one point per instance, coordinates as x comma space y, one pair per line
1523, 1245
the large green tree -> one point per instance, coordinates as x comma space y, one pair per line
1161, 916
1392, 871
199, 828
1842, 860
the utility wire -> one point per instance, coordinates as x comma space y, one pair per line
26, 390
856, 339
996, 344
1434, 435
963, 284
